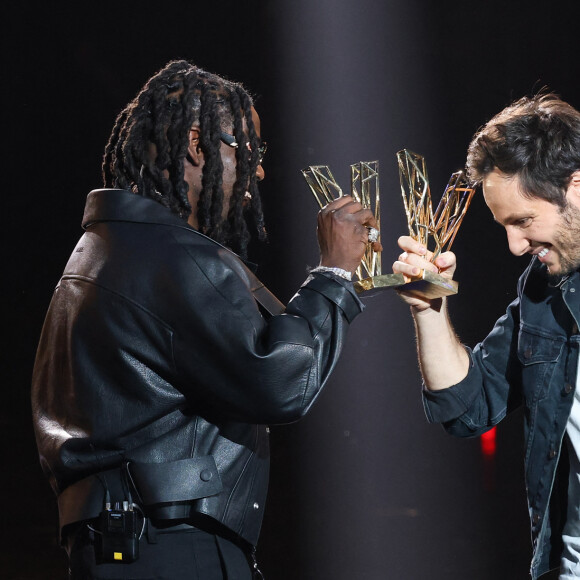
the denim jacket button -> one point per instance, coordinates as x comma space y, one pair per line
553, 453
567, 388
536, 519
528, 352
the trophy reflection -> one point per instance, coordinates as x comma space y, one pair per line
431, 228
364, 189
436, 230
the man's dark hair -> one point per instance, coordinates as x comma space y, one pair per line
536, 139
148, 146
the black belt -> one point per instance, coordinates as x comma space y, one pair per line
155, 483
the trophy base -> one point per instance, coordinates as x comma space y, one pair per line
379, 282
429, 285
426, 285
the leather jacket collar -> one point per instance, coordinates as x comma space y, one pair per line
122, 205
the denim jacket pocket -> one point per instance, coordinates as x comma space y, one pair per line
538, 353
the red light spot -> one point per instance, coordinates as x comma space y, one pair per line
488, 442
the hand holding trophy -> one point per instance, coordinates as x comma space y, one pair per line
365, 190
425, 225
441, 226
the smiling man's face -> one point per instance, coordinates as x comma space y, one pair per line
534, 225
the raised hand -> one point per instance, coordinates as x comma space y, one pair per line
343, 233
414, 258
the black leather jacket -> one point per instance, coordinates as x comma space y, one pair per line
158, 370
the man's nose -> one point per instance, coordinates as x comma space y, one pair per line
517, 242
260, 173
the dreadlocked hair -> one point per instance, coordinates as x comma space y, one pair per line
148, 145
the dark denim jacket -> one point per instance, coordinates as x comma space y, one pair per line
530, 358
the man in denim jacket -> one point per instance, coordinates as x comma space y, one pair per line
527, 159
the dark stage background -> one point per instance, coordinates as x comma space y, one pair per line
363, 487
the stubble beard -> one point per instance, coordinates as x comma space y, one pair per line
567, 241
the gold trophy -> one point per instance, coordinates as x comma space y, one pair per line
364, 181
441, 225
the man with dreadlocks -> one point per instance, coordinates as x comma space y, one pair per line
162, 358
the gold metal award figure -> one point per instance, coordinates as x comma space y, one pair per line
424, 225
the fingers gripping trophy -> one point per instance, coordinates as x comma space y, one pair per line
365, 190
431, 228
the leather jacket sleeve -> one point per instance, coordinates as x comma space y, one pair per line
252, 367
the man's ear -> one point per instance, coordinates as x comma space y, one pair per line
194, 154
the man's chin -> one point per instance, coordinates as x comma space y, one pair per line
558, 271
